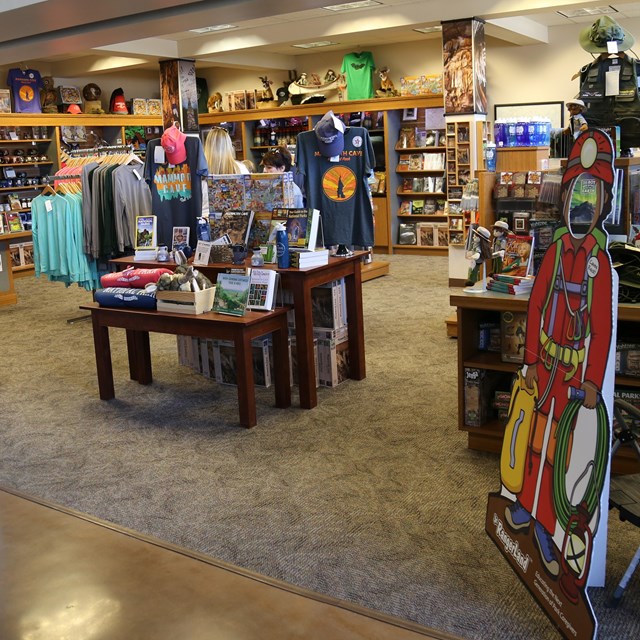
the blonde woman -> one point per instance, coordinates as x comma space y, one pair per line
220, 154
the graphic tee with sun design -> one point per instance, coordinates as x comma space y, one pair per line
340, 190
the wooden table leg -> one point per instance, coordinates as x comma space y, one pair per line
281, 376
304, 344
355, 320
139, 351
103, 359
244, 375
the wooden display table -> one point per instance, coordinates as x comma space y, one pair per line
300, 282
241, 330
477, 308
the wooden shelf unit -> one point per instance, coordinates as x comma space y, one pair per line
472, 309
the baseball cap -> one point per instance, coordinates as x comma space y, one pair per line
330, 135
172, 142
74, 108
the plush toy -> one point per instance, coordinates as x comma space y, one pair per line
386, 84
267, 94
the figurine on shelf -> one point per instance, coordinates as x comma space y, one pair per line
330, 76
387, 87
499, 245
48, 97
478, 252
302, 80
267, 94
577, 121
91, 93
214, 103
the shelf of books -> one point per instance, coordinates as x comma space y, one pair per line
491, 332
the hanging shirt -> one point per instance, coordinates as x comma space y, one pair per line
358, 69
25, 90
132, 198
176, 190
340, 190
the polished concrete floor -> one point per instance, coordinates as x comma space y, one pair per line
66, 576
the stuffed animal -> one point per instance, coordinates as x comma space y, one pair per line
386, 84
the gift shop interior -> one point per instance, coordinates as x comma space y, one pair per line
385, 257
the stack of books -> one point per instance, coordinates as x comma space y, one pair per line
513, 285
300, 258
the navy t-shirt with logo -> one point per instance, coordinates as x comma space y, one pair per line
340, 190
25, 87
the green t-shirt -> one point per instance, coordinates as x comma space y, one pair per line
358, 70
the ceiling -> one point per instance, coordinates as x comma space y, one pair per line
77, 37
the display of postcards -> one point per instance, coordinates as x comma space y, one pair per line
417, 207
531, 191
516, 190
441, 235
430, 207
463, 156
408, 184
407, 233
425, 234
464, 176
407, 138
416, 162
405, 208
421, 137
226, 192
534, 177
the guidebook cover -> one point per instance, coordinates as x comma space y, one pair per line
232, 294
146, 232
262, 289
518, 255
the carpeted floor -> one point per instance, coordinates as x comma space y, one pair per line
372, 496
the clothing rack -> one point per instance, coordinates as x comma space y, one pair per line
119, 148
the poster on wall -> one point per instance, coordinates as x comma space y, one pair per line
464, 59
179, 94
549, 518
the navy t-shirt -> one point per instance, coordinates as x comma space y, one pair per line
25, 90
176, 190
340, 190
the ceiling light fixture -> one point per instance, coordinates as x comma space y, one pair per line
217, 27
433, 29
587, 11
313, 45
347, 6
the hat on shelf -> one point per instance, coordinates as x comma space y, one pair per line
173, 143
605, 29
74, 108
330, 135
577, 102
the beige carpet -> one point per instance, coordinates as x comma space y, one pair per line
372, 496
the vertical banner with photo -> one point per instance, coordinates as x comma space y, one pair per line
179, 94
464, 58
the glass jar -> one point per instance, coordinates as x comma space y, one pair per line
257, 260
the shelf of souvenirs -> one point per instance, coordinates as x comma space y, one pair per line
80, 119
15, 235
31, 141
413, 216
30, 187
420, 194
428, 171
399, 147
415, 248
347, 106
26, 164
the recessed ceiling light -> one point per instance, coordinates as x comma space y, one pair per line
429, 29
313, 45
347, 6
217, 27
587, 11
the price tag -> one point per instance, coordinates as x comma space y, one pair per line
158, 155
137, 175
48, 206
612, 46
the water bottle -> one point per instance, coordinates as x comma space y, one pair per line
522, 136
282, 246
500, 133
490, 156
511, 133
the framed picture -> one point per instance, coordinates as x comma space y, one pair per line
5, 101
552, 110
410, 115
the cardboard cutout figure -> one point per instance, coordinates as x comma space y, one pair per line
556, 450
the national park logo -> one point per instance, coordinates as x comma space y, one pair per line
339, 183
